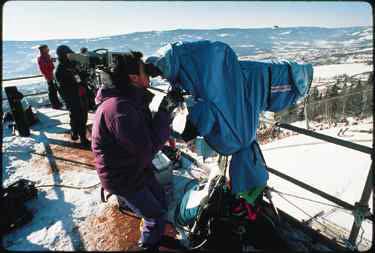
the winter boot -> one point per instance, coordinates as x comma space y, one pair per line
84, 141
74, 136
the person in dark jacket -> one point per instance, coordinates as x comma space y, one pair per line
45, 63
125, 138
73, 86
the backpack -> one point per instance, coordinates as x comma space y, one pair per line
200, 218
14, 211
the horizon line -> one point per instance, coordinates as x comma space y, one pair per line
171, 30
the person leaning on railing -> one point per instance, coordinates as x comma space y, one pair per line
45, 63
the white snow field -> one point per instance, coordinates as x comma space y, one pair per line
336, 170
333, 70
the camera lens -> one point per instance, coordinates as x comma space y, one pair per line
151, 70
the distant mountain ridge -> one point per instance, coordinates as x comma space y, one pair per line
261, 43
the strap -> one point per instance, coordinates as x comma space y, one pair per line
269, 87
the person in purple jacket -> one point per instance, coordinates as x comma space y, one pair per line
125, 138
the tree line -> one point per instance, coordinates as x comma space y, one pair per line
346, 97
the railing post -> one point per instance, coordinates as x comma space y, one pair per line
306, 112
362, 206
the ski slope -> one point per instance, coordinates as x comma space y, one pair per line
336, 170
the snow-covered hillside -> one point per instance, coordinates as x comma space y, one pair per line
316, 45
333, 70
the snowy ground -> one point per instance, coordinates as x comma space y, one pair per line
61, 215
58, 211
333, 70
336, 170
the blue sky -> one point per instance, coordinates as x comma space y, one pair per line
41, 20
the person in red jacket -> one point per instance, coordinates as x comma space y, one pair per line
45, 63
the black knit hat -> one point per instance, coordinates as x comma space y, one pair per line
126, 65
42, 46
129, 62
63, 50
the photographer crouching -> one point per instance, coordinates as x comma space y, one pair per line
125, 138
73, 86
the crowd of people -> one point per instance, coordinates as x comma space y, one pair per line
125, 134
71, 84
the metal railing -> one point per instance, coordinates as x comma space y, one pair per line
360, 209
347, 144
46, 92
21, 78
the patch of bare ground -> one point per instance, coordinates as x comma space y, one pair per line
64, 158
114, 231
64, 154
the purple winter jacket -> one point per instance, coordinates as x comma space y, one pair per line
125, 138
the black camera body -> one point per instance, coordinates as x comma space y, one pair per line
152, 71
98, 59
94, 67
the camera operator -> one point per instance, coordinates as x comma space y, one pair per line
73, 85
126, 137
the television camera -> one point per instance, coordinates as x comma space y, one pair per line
94, 67
98, 59
103, 59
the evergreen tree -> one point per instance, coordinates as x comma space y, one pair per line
350, 101
313, 103
333, 102
344, 100
314, 94
367, 105
357, 98
301, 112
370, 80
346, 79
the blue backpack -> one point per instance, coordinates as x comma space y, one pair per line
185, 214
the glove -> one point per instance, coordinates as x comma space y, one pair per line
172, 100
